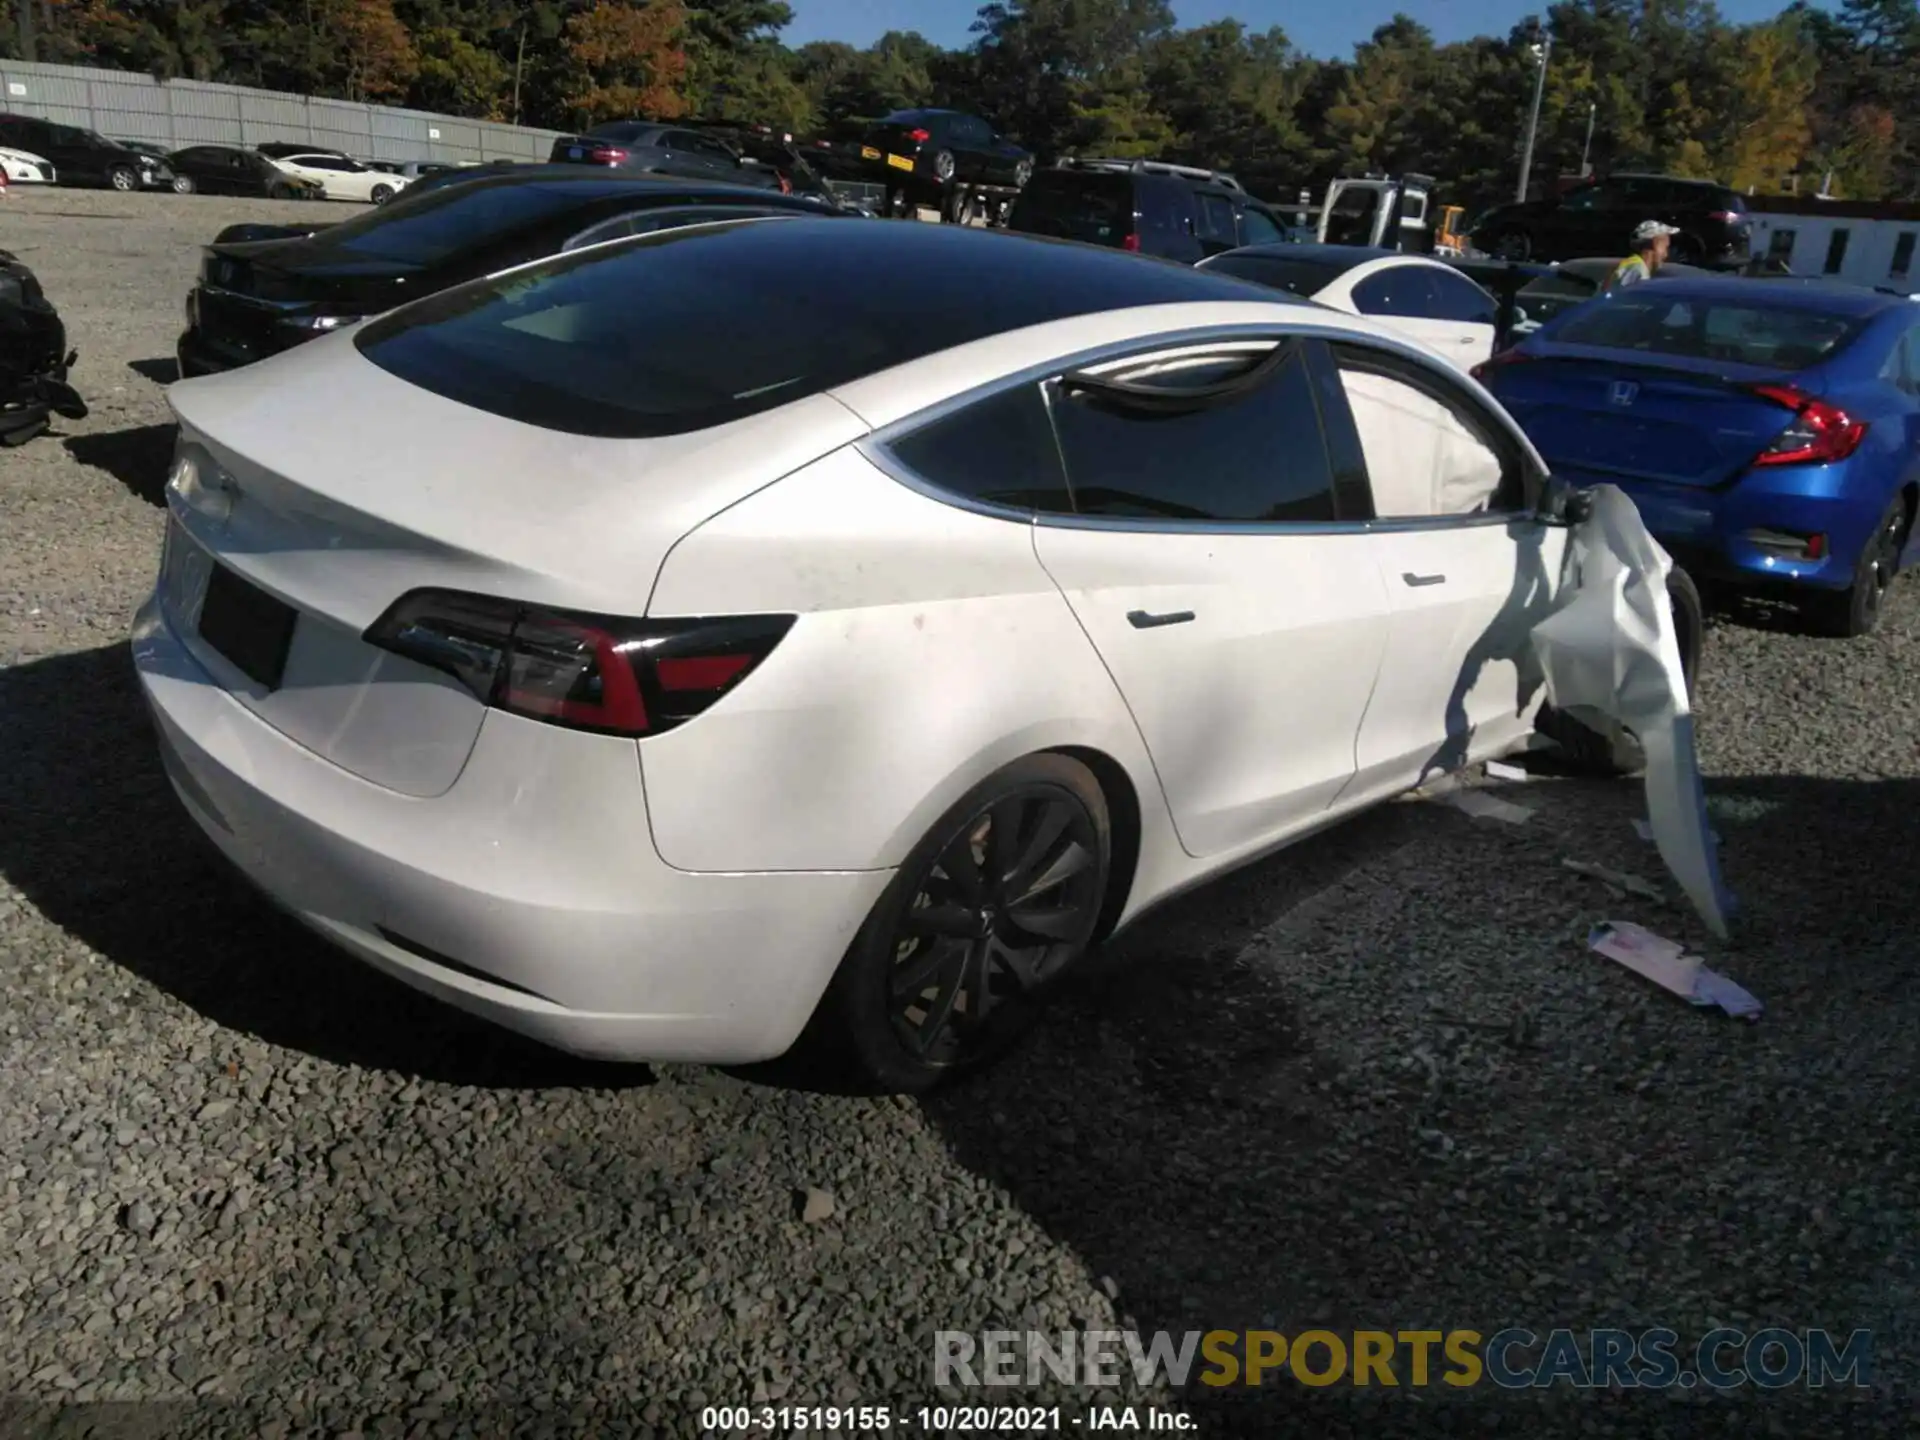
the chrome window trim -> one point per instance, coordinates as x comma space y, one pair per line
876, 447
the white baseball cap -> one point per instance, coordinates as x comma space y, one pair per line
1652, 230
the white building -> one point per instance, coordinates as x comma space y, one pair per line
1870, 243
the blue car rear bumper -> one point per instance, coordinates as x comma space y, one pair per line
1722, 533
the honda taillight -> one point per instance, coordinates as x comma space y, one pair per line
1819, 433
921, 136
606, 155
1725, 217
1130, 241
1499, 362
586, 672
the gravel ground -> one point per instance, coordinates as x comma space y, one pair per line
1375, 1083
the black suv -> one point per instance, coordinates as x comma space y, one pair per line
81, 157
1599, 219
256, 298
1178, 212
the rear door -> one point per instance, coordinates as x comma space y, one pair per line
1468, 567
1243, 624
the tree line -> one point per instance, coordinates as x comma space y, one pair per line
1810, 97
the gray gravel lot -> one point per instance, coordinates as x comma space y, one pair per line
1375, 1083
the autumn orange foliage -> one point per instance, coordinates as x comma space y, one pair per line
631, 60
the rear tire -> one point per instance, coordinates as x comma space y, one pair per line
1856, 610
1685, 250
183, 185
123, 179
952, 949
382, 193
943, 167
1593, 753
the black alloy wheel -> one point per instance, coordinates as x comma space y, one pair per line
1856, 610
995, 904
1512, 245
382, 193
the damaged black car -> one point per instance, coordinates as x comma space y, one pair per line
34, 359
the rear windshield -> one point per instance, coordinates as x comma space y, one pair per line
1708, 329
1299, 277
1094, 208
425, 227
686, 329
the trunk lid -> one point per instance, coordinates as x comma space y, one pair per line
1676, 422
335, 488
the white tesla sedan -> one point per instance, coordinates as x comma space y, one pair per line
791, 626
1420, 298
345, 179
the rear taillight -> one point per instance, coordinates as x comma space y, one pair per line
606, 155
1130, 241
1725, 217
920, 136
1505, 358
586, 672
1820, 432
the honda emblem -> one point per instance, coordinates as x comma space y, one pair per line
1623, 392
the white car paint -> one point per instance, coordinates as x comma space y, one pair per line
23, 167
690, 894
1459, 342
343, 179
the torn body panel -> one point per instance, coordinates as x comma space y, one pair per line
1611, 656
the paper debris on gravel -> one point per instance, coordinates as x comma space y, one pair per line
1618, 879
1611, 656
1500, 770
1483, 806
1666, 963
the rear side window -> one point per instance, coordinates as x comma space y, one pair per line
1216, 218
1259, 457
1095, 208
1458, 298
1403, 290
1743, 334
999, 450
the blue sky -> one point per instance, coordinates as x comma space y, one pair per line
1322, 29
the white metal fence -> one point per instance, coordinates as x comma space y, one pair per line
177, 113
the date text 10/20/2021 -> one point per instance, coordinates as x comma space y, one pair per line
938, 1419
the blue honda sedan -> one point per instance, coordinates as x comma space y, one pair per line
1769, 431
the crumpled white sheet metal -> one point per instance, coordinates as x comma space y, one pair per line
1611, 657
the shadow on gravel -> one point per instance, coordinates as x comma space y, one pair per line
1399, 1163
137, 458
93, 836
163, 371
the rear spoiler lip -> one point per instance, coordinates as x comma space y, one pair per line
1731, 377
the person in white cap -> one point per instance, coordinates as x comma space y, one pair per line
1650, 242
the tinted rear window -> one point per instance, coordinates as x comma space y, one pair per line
427, 226
1709, 329
1094, 208
688, 329
1298, 277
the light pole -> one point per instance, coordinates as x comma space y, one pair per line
1541, 52
1586, 150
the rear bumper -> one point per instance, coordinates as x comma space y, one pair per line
537, 903
1712, 532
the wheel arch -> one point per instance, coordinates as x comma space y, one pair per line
1124, 821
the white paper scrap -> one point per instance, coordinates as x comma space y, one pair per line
1500, 770
1666, 963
